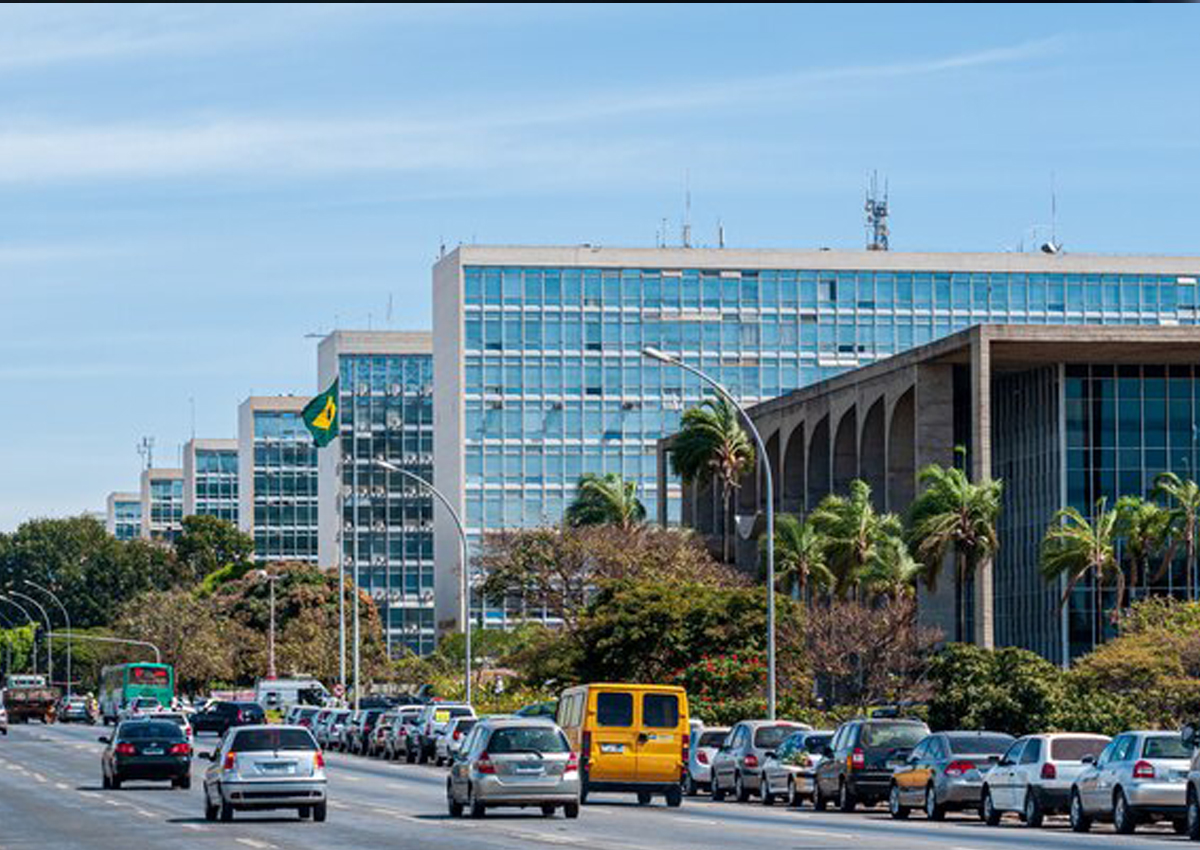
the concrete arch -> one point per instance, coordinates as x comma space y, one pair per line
873, 454
792, 488
819, 467
845, 451
901, 453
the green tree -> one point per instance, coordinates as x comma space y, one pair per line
954, 515
799, 556
712, 446
864, 549
605, 500
1003, 690
206, 544
1075, 547
1184, 496
1145, 527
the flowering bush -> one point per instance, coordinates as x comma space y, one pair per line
725, 688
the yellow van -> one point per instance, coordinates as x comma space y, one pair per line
630, 738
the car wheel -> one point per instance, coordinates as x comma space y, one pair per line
571, 810
740, 791
1179, 825
643, 798
409, 755
1080, 822
896, 809
933, 810
1124, 819
1033, 810
477, 808
688, 784
455, 808
320, 812
792, 800
987, 809
304, 812
846, 801
764, 792
715, 791
547, 810
210, 811
115, 782
819, 801
1193, 815
226, 812
674, 798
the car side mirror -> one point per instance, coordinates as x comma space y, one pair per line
1004, 763
1089, 759
104, 739
770, 755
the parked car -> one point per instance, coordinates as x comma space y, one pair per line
704, 741
517, 761
789, 772
265, 767
945, 772
433, 720
3, 717
857, 766
1034, 777
330, 734
737, 766
448, 742
146, 749
377, 739
358, 733
220, 715
1140, 777
402, 737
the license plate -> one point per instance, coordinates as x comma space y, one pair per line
612, 748
152, 751
279, 767
529, 769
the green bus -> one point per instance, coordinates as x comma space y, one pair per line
121, 684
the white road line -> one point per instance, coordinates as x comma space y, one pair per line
61, 786
91, 794
250, 842
146, 814
194, 827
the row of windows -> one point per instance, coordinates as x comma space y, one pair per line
786, 288
280, 425
270, 544
220, 510
268, 484
166, 490
555, 465
495, 511
403, 413
299, 514
295, 455
216, 462
412, 547
379, 372
216, 488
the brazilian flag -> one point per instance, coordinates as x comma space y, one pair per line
321, 416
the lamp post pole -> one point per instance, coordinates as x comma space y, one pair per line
49, 631
31, 621
465, 590
662, 357
270, 579
66, 617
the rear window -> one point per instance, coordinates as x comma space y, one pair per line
711, 739
983, 745
614, 709
660, 710
538, 739
144, 731
465, 726
893, 735
1074, 749
1166, 747
812, 743
149, 676
771, 736
258, 740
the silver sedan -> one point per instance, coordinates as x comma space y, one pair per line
1140, 777
265, 767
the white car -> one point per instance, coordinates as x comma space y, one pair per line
140, 707
450, 740
3, 717
179, 719
1034, 777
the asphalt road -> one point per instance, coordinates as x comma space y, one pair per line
50, 797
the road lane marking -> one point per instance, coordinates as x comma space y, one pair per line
250, 842
61, 786
194, 827
146, 814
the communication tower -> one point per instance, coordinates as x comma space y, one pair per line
877, 213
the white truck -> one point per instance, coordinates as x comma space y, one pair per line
280, 694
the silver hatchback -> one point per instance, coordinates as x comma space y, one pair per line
520, 761
265, 767
1139, 778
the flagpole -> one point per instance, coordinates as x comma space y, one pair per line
341, 548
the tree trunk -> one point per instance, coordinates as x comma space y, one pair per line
960, 595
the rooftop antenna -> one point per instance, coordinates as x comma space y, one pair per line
720, 234
192, 402
389, 310
146, 449
877, 213
687, 209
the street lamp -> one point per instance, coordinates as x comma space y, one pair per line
49, 629
662, 357
271, 579
465, 602
66, 617
31, 621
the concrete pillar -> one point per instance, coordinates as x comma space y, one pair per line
981, 470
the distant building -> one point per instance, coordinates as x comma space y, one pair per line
277, 479
382, 521
210, 479
162, 504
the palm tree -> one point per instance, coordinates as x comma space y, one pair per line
605, 500
799, 555
862, 545
1145, 527
1075, 546
711, 445
952, 514
1185, 496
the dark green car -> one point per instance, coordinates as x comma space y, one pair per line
151, 750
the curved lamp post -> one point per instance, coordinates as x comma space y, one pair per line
465, 606
661, 357
66, 617
49, 629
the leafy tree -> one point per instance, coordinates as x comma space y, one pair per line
1075, 547
712, 446
206, 544
864, 549
1145, 527
1184, 496
1003, 690
952, 514
605, 500
799, 556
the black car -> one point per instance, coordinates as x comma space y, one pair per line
154, 750
859, 761
220, 716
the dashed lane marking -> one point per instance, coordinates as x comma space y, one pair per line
61, 786
250, 842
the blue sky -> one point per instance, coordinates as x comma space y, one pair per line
186, 191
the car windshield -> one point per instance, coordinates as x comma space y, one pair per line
812, 743
893, 735
984, 745
1074, 749
145, 731
1166, 747
525, 739
771, 736
258, 740
712, 738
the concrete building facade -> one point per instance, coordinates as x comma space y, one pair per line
162, 504
123, 515
210, 479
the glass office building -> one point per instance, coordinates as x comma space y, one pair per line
210, 476
162, 504
124, 515
540, 376
382, 522
277, 486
